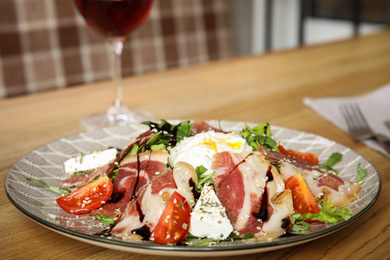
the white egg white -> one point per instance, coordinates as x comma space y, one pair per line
200, 149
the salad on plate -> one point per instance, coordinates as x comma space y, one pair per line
194, 184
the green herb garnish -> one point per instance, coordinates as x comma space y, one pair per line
259, 135
133, 150
104, 219
205, 242
166, 135
332, 160
61, 190
361, 173
183, 130
300, 226
246, 236
203, 178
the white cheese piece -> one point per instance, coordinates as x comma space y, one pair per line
90, 161
208, 219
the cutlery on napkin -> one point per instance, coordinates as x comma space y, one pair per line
374, 105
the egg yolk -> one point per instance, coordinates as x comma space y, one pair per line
212, 145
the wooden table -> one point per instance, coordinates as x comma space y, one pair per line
254, 89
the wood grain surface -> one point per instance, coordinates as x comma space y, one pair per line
255, 88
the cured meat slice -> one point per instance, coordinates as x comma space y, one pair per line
134, 172
275, 157
247, 186
150, 164
323, 185
199, 126
141, 215
124, 188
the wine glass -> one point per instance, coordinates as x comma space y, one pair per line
115, 19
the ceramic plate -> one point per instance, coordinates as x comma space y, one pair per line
45, 163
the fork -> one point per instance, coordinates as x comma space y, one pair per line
358, 127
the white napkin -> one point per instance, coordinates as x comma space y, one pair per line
375, 106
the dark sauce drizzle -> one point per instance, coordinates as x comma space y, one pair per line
143, 231
115, 197
193, 189
263, 215
140, 212
286, 224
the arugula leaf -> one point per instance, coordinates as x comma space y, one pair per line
259, 135
158, 147
203, 178
104, 219
133, 150
200, 170
246, 236
361, 173
300, 226
62, 191
205, 242
332, 160
326, 214
183, 130
166, 135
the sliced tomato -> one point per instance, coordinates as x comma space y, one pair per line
303, 200
307, 157
87, 198
174, 223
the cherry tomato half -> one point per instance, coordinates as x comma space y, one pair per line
174, 223
307, 157
87, 198
303, 200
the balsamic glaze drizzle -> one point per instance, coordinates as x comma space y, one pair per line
263, 215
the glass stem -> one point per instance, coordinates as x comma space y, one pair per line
116, 53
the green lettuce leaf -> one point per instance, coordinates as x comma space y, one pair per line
300, 226
326, 214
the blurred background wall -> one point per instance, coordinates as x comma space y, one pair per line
271, 25
46, 44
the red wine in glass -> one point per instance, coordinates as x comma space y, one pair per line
115, 19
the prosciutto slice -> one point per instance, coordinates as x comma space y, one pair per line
141, 215
134, 172
150, 164
323, 185
199, 126
252, 193
276, 157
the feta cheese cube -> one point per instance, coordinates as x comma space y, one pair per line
208, 219
90, 161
